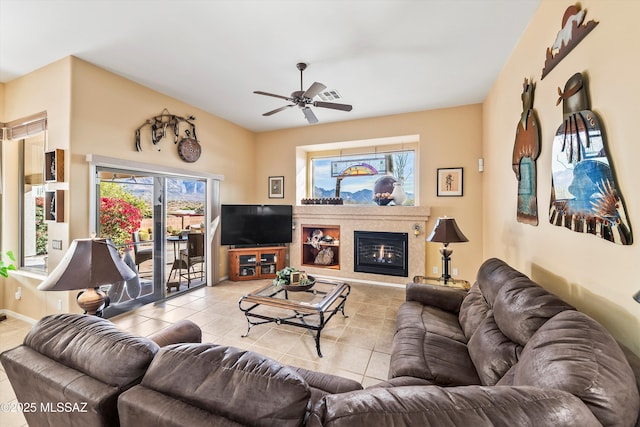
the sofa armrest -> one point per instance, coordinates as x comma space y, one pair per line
465, 405
184, 331
42, 384
443, 297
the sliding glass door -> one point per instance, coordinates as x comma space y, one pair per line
157, 223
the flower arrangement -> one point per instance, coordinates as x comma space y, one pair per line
292, 276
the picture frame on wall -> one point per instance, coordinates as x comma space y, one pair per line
276, 187
450, 182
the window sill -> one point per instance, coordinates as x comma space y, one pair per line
29, 274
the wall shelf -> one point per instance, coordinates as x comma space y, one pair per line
54, 206
54, 166
323, 252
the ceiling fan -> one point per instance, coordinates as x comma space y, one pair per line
303, 99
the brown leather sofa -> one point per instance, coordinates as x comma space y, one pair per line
71, 369
507, 353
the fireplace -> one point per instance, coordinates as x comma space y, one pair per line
381, 253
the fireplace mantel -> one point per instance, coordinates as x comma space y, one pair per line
378, 213
363, 218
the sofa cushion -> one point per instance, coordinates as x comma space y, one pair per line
242, 386
141, 407
574, 353
473, 310
492, 275
476, 406
521, 307
492, 353
429, 344
93, 346
502, 311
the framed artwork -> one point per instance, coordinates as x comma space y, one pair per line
276, 187
449, 182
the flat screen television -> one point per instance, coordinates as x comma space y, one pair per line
256, 225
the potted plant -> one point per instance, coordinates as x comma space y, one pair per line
292, 279
5, 267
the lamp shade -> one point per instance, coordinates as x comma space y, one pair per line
88, 263
446, 231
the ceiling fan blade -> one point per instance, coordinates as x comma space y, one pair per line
277, 110
259, 92
314, 89
308, 113
343, 107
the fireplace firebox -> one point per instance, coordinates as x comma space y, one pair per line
381, 253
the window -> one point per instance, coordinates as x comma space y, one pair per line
364, 178
34, 236
30, 133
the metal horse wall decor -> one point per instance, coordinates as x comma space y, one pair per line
189, 148
526, 150
584, 195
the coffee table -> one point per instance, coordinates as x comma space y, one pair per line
310, 309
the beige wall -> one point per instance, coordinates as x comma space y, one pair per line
91, 110
448, 138
2, 168
46, 89
597, 276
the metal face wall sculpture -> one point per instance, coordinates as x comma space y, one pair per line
526, 150
584, 195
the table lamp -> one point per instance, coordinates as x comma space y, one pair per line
446, 231
89, 263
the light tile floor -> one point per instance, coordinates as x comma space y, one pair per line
356, 347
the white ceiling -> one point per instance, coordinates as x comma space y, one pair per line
383, 56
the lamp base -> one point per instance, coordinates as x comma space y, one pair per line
446, 258
93, 301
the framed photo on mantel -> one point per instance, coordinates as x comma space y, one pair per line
450, 182
276, 187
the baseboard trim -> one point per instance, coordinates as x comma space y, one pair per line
366, 282
18, 316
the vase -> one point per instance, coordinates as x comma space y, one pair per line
398, 195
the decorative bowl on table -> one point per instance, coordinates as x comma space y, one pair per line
291, 279
303, 285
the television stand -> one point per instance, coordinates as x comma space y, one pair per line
256, 263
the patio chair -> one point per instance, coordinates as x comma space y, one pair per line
193, 255
140, 254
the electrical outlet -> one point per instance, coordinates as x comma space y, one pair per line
59, 305
455, 271
434, 270
19, 293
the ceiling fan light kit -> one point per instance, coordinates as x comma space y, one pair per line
302, 99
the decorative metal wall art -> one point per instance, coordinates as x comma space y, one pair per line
572, 32
189, 148
526, 150
584, 193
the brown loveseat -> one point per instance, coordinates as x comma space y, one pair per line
507, 353
82, 370
72, 368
